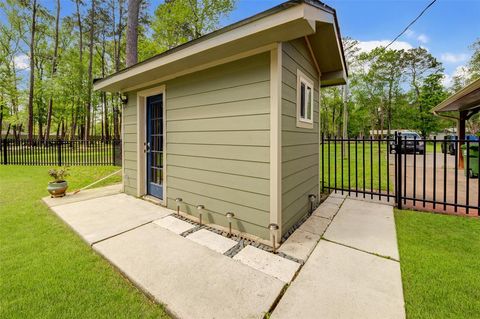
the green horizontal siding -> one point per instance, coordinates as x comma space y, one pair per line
129, 134
299, 145
218, 143
231, 167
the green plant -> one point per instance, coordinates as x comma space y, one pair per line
58, 175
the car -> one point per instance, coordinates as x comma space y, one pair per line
411, 143
471, 137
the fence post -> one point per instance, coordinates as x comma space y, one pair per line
59, 152
5, 160
398, 163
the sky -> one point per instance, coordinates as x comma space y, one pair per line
446, 30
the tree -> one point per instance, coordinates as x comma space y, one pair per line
32, 71
431, 94
90, 72
419, 64
132, 31
474, 63
54, 71
178, 21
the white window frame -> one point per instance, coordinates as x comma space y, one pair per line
304, 122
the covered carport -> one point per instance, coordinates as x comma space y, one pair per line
461, 106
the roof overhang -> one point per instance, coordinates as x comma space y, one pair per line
467, 99
288, 21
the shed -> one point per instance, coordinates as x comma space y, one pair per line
463, 104
230, 120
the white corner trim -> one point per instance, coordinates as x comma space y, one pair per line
276, 138
320, 159
141, 138
122, 135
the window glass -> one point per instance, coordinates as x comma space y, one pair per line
305, 102
309, 103
302, 101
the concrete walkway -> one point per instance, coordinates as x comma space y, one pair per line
353, 272
350, 272
190, 274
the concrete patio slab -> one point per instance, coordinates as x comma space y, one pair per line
174, 224
326, 210
268, 263
300, 244
338, 194
340, 282
366, 226
315, 225
213, 241
191, 280
83, 195
335, 200
100, 218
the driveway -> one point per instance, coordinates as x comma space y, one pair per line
434, 189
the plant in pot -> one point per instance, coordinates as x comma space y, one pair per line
59, 185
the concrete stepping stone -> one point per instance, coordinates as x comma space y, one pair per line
326, 210
315, 225
341, 282
268, 263
213, 241
300, 244
174, 224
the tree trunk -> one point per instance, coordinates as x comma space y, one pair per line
74, 121
1, 119
32, 72
105, 132
75, 110
132, 31
90, 73
54, 70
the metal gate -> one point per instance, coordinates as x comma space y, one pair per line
411, 172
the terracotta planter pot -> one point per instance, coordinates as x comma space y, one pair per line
57, 189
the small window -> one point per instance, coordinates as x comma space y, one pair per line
304, 101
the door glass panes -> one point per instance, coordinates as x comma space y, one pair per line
155, 140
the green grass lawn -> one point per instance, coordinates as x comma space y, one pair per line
440, 262
47, 271
374, 166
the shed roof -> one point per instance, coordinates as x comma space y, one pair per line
287, 21
466, 99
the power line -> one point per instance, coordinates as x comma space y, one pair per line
411, 23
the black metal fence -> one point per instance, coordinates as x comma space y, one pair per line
60, 152
424, 174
